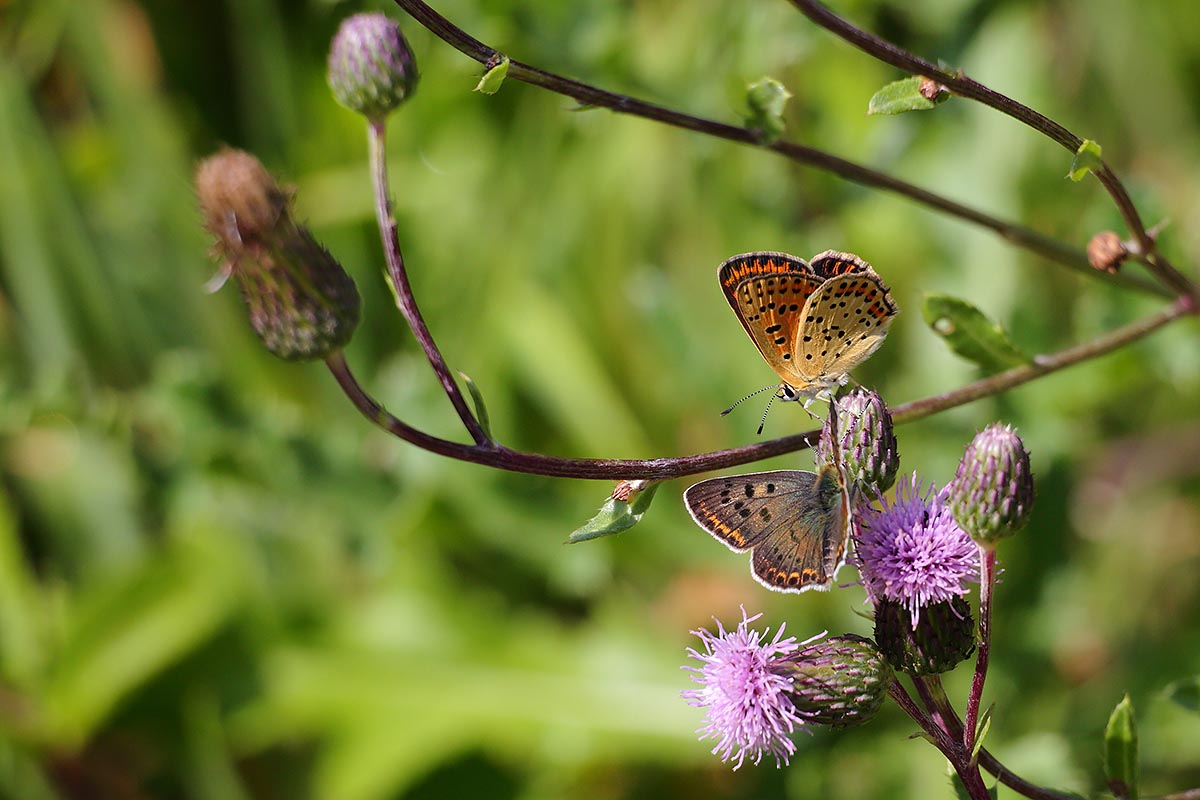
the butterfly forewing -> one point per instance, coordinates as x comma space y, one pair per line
767, 292
796, 523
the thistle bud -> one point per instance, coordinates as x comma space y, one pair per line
943, 636
867, 443
992, 493
302, 303
840, 682
371, 70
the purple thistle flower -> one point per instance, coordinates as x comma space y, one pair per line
912, 552
745, 683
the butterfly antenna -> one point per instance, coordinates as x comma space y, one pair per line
762, 422
747, 397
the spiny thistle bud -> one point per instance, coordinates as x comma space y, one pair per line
302, 303
867, 441
943, 636
840, 682
992, 493
371, 70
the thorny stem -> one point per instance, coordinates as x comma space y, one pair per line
591, 96
500, 457
987, 583
377, 138
963, 86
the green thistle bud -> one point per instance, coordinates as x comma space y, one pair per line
302, 303
992, 493
371, 70
943, 636
867, 441
840, 682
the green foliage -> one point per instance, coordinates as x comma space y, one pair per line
767, 99
481, 412
491, 80
1121, 751
971, 334
1185, 693
1087, 159
217, 580
905, 95
616, 515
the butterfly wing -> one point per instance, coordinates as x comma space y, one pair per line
767, 292
834, 263
842, 324
797, 523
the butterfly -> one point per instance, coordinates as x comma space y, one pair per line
796, 523
813, 321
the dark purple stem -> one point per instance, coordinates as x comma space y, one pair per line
377, 138
963, 86
1020, 236
959, 758
495, 455
987, 582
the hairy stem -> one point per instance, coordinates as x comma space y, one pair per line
963, 86
377, 136
500, 457
987, 582
1020, 236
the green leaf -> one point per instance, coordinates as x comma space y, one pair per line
971, 334
481, 412
1185, 693
1120, 751
981, 731
767, 99
491, 80
617, 515
1087, 159
907, 95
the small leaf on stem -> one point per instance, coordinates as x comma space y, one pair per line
1185, 693
481, 412
767, 99
910, 94
621, 511
971, 334
1120, 751
1087, 159
490, 81
981, 731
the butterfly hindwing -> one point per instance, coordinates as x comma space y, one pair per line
795, 522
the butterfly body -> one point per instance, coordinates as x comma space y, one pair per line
812, 321
796, 523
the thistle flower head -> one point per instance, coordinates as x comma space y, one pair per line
941, 639
745, 683
371, 70
912, 552
992, 493
841, 681
866, 441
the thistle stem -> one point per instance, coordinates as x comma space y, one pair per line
398, 275
987, 581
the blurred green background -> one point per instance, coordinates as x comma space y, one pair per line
218, 581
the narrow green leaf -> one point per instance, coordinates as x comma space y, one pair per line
910, 94
618, 515
971, 334
1120, 751
767, 99
1185, 693
981, 731
481, 412
491, 80
1087, 159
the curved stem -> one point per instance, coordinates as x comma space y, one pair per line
1027, 238
377, 138
959, 758
987, 582
496, 455
963, 86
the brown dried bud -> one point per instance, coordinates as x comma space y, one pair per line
1106, 252
931, 89
302, 304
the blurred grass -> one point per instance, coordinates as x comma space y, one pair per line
217, 581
